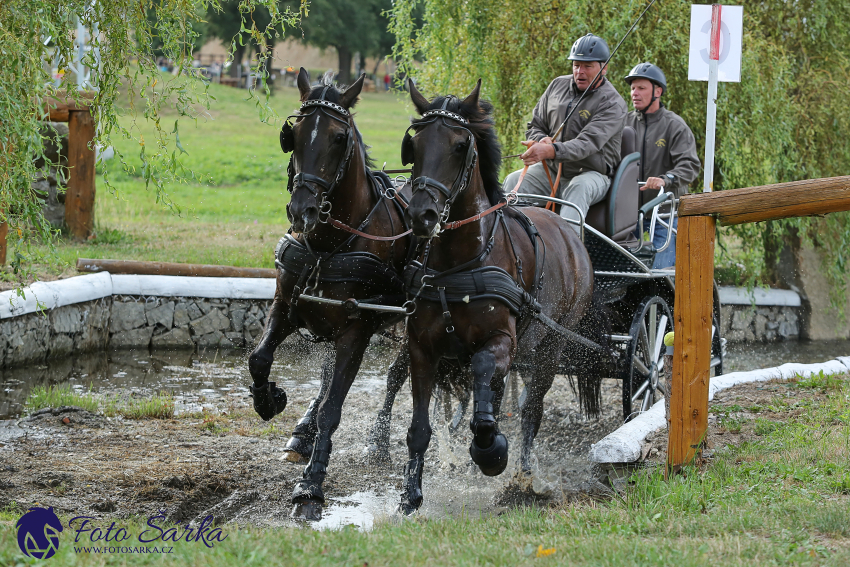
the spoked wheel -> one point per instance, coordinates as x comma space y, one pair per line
718, 347
645, 376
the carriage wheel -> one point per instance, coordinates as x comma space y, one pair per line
717, 347
645, 376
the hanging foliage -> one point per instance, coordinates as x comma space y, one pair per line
37, 37
786, 120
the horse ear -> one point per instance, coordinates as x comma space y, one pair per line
349, 97
420, 102
304, 83
472, 99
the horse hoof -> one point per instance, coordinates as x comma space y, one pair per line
407, 510
494, 459
294, 457
308, 510
377, 455
410, 503
297, 450
307, 491
269, 400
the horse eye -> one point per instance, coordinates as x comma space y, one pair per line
339, 138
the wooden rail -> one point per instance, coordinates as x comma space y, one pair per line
698, 215
170, 269
771, 202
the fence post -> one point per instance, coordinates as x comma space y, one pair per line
692, 346
79, 197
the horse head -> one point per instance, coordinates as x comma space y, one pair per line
322, 140
454, 147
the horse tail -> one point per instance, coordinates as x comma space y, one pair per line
591, 365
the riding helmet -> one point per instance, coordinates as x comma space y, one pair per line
590, 48
648, 71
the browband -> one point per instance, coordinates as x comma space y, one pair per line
331, 105
447, 114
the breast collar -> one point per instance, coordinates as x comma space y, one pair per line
461, 182
308, 180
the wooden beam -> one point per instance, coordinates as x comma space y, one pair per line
692, 345
60, 106
171, 269
79, 197
771, 202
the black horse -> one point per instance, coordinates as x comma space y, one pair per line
336, 269
493, 283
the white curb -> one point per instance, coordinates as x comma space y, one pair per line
49, 295
624, 445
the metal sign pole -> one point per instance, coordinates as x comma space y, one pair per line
711, 109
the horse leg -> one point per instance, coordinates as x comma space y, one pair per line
300, 445
378, 445
269, 400
545, 367
307, 494
489, 447
422, 373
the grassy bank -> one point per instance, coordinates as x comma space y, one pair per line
782, 497
235, 211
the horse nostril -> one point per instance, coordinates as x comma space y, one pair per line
430, 216
311, 215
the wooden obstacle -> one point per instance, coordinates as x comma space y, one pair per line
170, 269
79, 196
698, 215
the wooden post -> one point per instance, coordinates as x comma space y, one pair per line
79, 198
692, 346
4, 229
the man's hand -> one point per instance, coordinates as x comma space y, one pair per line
538, 151
652, 183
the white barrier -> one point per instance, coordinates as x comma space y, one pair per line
49, 295
624, 445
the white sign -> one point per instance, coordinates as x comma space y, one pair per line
731, 41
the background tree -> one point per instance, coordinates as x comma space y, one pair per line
349, 26
35, 34
225, 22
781, 123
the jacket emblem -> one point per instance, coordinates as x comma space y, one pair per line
584, 113
661, 142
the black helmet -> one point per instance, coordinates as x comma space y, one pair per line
590, 48
648, 71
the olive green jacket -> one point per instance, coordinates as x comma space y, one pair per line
666, 146
591, 139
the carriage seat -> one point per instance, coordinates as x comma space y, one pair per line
615, 216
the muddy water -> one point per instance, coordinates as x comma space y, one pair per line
357, 493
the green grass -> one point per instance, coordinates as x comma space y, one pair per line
234, 213
55, 396
158, 406
782, 500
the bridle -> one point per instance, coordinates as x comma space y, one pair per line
308, 180
461, 182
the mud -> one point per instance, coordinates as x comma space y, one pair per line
218, 458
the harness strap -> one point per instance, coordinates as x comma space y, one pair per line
342, 226
447, 315
571, 335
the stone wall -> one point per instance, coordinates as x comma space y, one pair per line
741, 323
131, 322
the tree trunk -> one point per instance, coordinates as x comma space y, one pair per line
237, 60
344, 55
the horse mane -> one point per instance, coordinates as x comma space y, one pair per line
481, 124
333, 94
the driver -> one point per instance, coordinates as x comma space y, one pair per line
668, 152
588, 148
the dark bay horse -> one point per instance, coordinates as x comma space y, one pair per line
342, 259
499, 283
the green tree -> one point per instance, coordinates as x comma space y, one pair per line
225, 22
782, 122
349, 26
35, 34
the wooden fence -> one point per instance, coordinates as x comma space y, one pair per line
698, 216
79, 196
